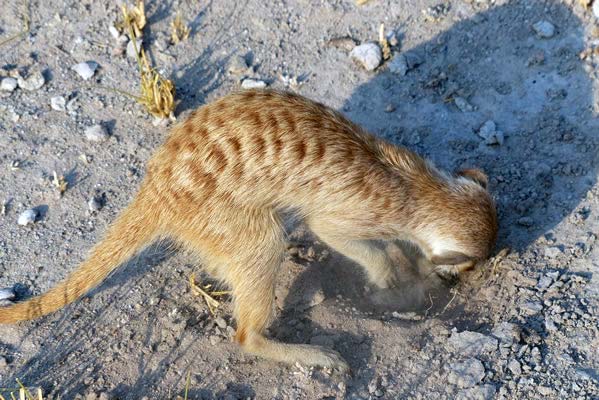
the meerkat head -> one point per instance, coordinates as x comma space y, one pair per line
460, 229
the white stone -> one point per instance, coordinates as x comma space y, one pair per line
96, 133
27, 217
85, 69
7, 294
8, 84
368, 55
131, 49
58, 103
250, 83
471, 344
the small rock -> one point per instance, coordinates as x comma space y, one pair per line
544, 282
463, 104
8, 84
58, 103
3, 363
482, 392
33, 82
94, 204
96, 133
531, 307
368, 55
131, 48
507, 333
550, 326
27, 217
114, 32
596, 9
214, 340
544, 29
250, 83
7, 294
85, 69
467, 373
525, 221
373, 385
552, 252
399, 65
103, 396
488, 131
220, 322
317, 298
469, 343
238, 65
514, 367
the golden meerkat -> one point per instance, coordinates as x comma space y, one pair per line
223, 177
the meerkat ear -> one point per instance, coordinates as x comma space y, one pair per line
476, 175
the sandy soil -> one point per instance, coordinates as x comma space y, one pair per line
526, 328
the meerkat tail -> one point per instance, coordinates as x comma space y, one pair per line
130, 233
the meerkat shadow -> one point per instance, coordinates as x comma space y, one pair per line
539, 150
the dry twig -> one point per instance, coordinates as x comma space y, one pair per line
209, 297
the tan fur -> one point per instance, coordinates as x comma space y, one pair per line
224, 176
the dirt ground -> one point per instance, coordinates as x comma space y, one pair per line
525, 328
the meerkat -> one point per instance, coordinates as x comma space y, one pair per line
223, 178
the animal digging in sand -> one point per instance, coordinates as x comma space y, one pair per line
226, 174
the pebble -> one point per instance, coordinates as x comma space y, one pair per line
544, 29
531, 307
368, 55
482, 392
27, 217
8, 84
596, 9
220, 322
214, 340
7, 294
507, 333
469, 343
489, 132
399, 65
114, 32
58, 103
463, 104
33, 82
85, 69
514, 367
467, 373
131, 49
250, 83
3, 363
94, 204
544, 282
238, 65
96, 133
525, 221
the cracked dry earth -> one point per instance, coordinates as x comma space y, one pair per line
508, 86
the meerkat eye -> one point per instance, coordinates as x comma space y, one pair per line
450, 258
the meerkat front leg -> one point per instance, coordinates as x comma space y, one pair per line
375, 261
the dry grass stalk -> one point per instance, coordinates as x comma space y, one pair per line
157, 93
134, 17
384, 43
23, 392
179, 30
59, 183
24, 31
209, 297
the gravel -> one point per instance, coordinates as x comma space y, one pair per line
467, 373
368, 55
472, 344
482, 392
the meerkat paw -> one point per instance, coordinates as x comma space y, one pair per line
318, 356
